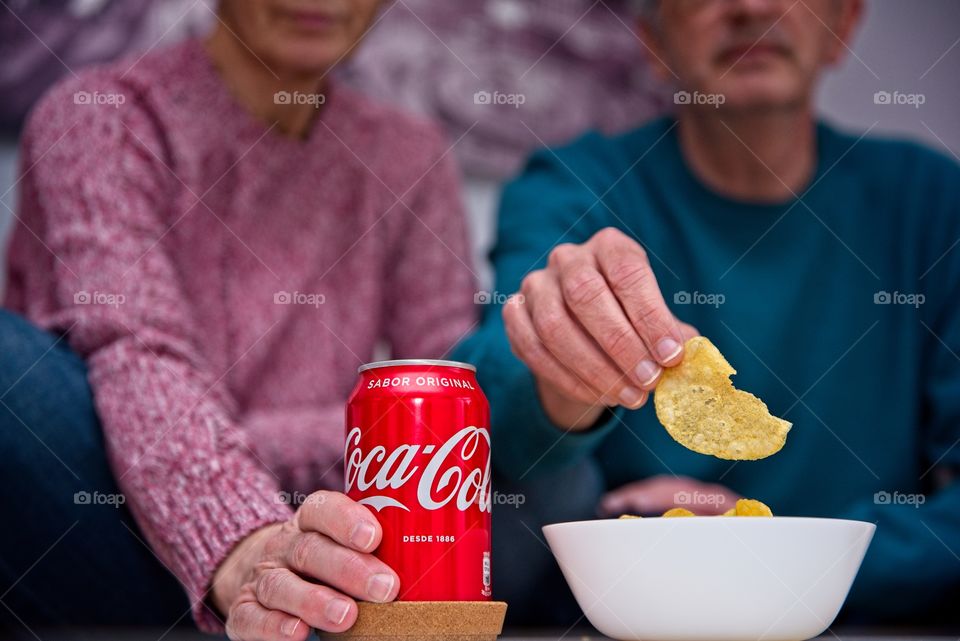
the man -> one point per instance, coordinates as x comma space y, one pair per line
825, 266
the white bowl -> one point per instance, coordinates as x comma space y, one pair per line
710, 578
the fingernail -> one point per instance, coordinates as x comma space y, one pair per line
290, 627
632, 397
363, 535
668, 349
647, 371
379, 586
337, 610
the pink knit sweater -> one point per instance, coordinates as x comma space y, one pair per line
223, 283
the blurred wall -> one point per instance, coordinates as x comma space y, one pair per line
911, 47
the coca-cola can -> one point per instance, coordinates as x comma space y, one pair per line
417, 455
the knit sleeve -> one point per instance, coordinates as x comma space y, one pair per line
94, 222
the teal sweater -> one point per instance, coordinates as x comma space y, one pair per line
792, 294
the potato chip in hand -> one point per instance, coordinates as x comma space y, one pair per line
701, 409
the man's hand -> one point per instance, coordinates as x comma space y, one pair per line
593, 328
286, 578
658, 494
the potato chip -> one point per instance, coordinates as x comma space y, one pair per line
701, 409
752, 507
731, 512
629, 516
678, 511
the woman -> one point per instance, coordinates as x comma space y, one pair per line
220, 233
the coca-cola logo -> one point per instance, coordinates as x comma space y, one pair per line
443, 478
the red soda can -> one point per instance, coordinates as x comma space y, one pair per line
417, 454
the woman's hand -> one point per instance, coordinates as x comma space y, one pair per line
289, 577
658, 494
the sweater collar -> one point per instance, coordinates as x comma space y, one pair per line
242, 126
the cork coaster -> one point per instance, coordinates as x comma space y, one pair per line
426, 621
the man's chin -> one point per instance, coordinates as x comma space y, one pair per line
761, 97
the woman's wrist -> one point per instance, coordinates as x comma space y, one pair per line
236, 567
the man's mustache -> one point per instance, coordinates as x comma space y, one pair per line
738, 43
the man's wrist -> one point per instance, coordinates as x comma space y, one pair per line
565, 413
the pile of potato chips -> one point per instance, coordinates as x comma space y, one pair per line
744, 507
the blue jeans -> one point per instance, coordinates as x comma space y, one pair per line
69, 554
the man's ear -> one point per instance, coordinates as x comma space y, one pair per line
653, 49
850, 13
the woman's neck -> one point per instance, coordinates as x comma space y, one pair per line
288, 100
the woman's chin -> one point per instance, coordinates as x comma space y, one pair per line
308, 56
